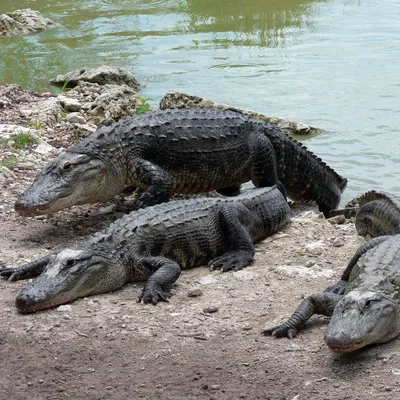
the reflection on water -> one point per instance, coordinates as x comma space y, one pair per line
254, 22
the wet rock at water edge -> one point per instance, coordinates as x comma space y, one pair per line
22, 22
104, 75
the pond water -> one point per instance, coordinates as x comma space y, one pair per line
332, 63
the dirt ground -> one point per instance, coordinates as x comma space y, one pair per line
111, 347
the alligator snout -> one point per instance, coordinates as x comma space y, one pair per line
341, 343
24, 301
25, 208
28, 302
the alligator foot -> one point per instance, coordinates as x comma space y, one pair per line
12, 274
231, 261
338, 288
29, 270
153, 294
283, 330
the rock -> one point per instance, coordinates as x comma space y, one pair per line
64, 308
195, 292
22, 22
75, 118
4, 103
338, 242
315, 248
108, 103
206, 280
83, 130
7, 173
313, 272
69, 104
210, 309
44, 148
337, 220
173, 99
104, 75
7, 130
44, 111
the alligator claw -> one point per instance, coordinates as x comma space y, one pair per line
279, 331
153, 295
12, 274
231, 261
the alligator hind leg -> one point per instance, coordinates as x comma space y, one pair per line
29, 270
241, 252
318, 303
265, 170
159, 183
158, 286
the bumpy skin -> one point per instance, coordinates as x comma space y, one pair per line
180, 151
367, 312
379, 214
155, 244
365, 303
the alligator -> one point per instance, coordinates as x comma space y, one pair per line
364, 305
155, 243
185, 151
379, 214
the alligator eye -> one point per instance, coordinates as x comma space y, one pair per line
71, 263
368, 304
67, 166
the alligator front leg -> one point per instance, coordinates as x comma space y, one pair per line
322, 303
241, 252
29, 270
158, 181
158, 286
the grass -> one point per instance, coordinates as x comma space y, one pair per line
144, 106
37, 125
23, 140
9, 162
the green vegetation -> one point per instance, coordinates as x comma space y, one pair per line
21, 141
65, 85
144, 106
37, 125
9, 162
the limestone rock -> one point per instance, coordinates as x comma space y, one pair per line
69, 104
106, 104
104, 75
22, 22
45, 111
174, 99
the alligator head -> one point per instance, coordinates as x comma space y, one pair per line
362, 318
71, 274
68, 180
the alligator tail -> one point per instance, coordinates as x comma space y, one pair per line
304, 175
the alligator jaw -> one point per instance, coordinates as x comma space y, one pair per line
45, 208
28, 304
344, 348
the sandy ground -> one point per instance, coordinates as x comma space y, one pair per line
111, 347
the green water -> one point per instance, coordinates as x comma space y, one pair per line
332, 63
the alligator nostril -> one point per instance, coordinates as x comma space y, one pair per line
24, 301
